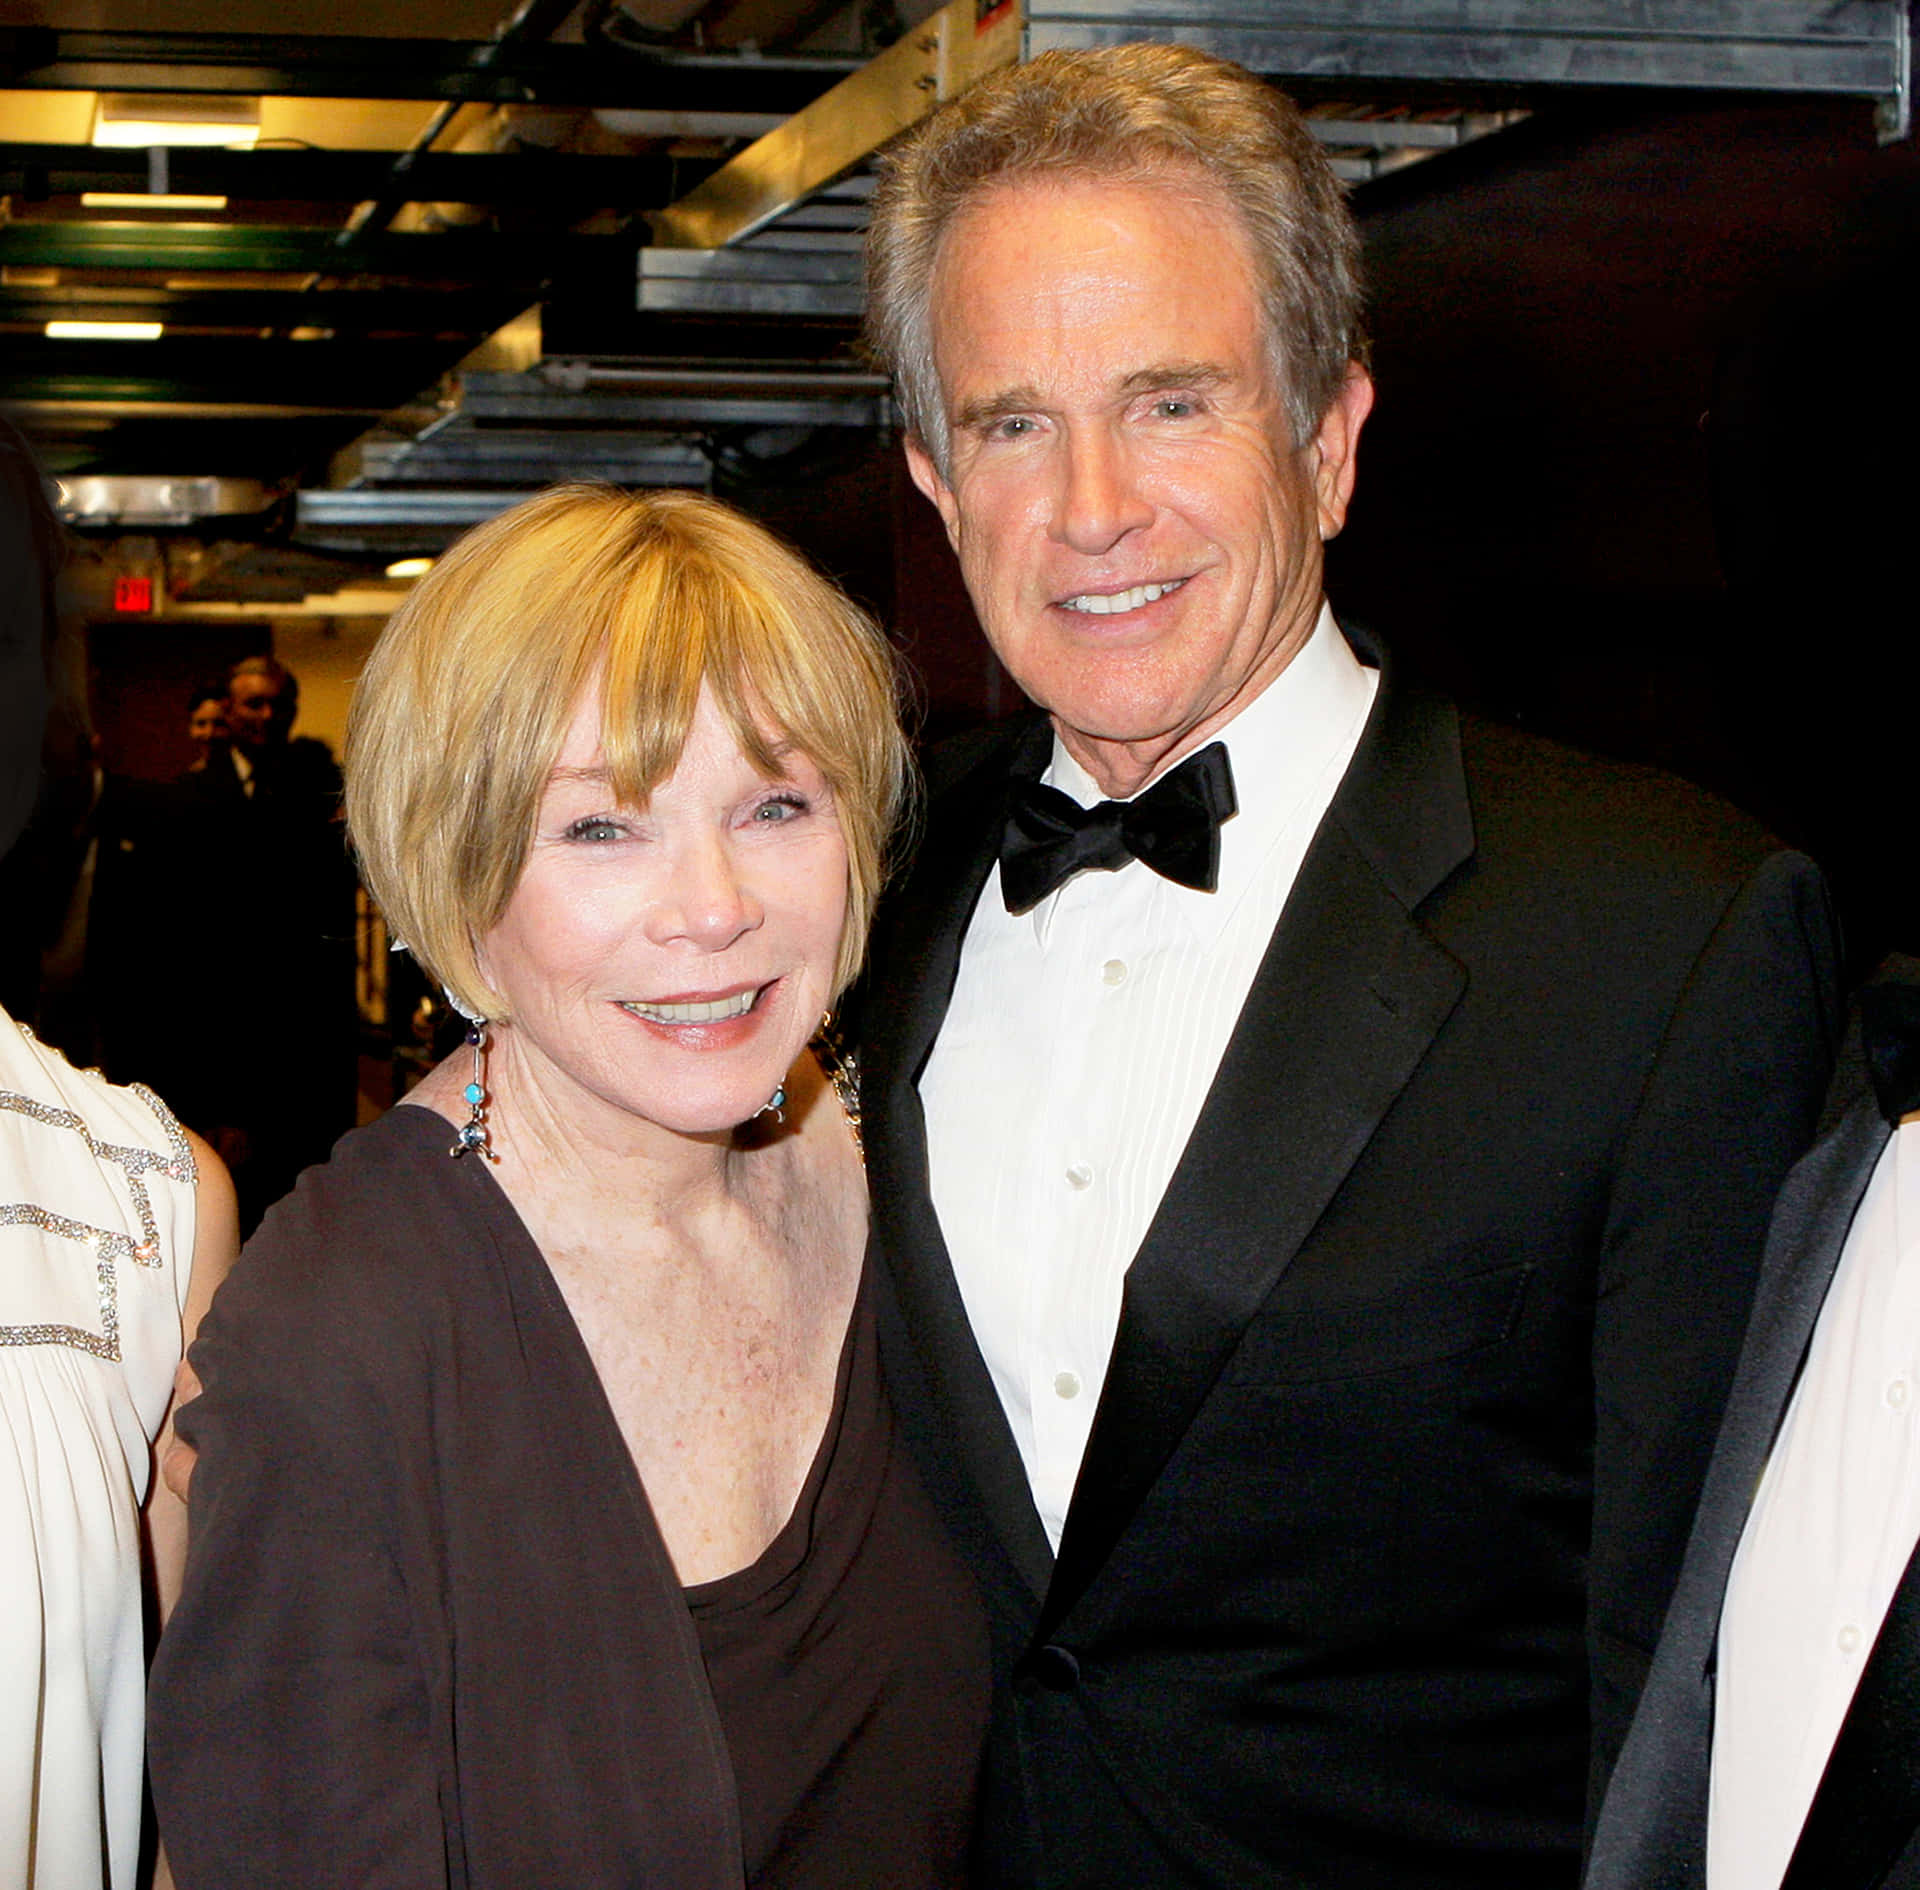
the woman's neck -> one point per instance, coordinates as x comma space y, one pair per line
575, 1160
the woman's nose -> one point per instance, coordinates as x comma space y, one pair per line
707, 900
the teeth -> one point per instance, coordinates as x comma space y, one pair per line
706, 1011
1096, 605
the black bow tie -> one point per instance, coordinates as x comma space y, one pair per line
1174, 827
1890, 1030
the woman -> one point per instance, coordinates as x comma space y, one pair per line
207, 708
115, 1227
549, 1523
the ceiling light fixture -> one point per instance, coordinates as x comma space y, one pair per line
104, 331
146, 200
146, 119
409, 567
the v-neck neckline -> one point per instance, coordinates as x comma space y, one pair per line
787, 1548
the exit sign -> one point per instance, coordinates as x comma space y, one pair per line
133, 596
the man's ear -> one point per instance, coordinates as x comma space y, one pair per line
926, 475
1334, 448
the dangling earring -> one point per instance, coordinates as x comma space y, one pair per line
775, 1105
471, 1137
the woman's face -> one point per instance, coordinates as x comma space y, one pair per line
669, 962
208, 722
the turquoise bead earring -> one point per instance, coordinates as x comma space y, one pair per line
472, 1138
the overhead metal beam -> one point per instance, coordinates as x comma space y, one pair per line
136, 401
144, 499
1852, 47
564, 182
938, 59
360, 315
345, 376
749, 280
530, 457
326, 65
676, 397
360, 507
480, 256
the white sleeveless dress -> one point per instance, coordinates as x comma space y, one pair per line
96, 1245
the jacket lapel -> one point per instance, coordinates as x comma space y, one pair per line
1348, 998
916, 958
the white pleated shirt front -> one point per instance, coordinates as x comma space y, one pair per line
1080, 1043
1833, 1526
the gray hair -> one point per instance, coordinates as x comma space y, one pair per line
1137, 114
285, 682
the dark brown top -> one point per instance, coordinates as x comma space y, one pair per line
430, 1633
848, 1665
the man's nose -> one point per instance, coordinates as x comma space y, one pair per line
1099, 501
707, 901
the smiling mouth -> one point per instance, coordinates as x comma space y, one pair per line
696, 1010
1111, 604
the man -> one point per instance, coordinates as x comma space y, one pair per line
262, 701
263, 1059
1778, 1739
1313, 1275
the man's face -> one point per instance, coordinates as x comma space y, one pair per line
1139, 535
254, 717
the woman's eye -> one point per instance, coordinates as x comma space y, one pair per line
782, 807
593, 828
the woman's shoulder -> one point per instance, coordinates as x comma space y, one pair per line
378, 1235
102, 1179
41, 1085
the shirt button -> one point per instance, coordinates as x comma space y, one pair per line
1897, 1393
1114, 971
1848, 1639
1079, 1176
1066, 1384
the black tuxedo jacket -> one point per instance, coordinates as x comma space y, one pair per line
1652, 1832
1418, 1364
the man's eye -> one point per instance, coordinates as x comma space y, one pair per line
594, 827
1173, 407
1015, 426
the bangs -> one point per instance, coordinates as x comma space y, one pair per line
778, 673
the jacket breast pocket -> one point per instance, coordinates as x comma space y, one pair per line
1427, 1323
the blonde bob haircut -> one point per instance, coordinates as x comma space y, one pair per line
465, 702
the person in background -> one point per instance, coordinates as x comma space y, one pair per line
1778, 1740
265, 1030
207, 729
549, 1525
263, 702
1322, 1143
116, 1225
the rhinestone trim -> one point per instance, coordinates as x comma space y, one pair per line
843, 1072
176, 1164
